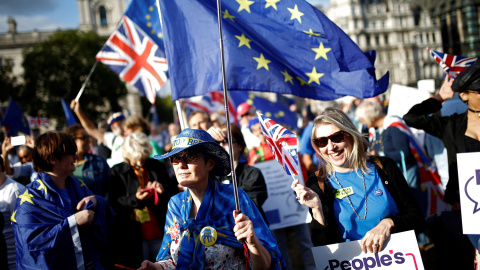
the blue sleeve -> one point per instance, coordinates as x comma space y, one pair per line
395, 141
305, 146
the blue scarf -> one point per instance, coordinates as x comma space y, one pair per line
215, 211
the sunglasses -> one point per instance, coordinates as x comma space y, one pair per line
187, 158
336, 137
225, 142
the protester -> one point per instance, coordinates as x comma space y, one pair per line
205, 211
139, 193
112, 140
173, 131
391, 206
21, 171
201, 120
58, 223
302, 231
245, 112
91, 169
9, 191
460, 133
249, 179
136, 123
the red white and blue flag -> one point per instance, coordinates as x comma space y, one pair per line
284, 144
135, 49
212, 102
430, 182
452, 64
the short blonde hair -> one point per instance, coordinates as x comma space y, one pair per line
358, 156
136, 147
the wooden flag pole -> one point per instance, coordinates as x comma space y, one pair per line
85, 83
227, 113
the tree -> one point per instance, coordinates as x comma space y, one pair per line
57, 68
8, 82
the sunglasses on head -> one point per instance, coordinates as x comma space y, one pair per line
187, 158
336, 137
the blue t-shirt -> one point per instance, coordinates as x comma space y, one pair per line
380, 203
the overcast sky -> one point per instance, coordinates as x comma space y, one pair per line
50, 14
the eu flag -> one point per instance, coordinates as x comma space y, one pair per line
287, 47
14, 120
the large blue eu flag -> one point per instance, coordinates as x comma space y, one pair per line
282, 46
14, 120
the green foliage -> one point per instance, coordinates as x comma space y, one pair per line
164, 107
9, 84
57, 68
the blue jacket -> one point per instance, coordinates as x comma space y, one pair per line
95, 174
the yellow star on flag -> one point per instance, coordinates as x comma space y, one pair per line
159, 35
321, 51
227, 15
147, 17
311, 33
150, 8
82, 183
296, 14
243, 41
272, 3
25, 197
262, 62
268, 114
302, 82
244, 5
288, 78
314, 76
12, 217
41, 186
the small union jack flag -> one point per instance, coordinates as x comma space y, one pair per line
212, 102
452, 64
136, 58
284, 144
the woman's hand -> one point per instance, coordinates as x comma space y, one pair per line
143, 195
156, 186
148, 265
84, 217
84, 201
376, 237
308, 197
244, 228
446, 91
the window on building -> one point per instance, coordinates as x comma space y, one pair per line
103, 15
401, 21
373, 25
377, 40
386, 39
355, 23
368, 39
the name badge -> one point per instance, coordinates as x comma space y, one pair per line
344, 192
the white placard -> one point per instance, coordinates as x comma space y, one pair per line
427, 85
403, 98
281, 208
469, 187
400, 253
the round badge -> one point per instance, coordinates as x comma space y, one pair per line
208, 236
378, 192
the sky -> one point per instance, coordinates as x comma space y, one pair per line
46, 15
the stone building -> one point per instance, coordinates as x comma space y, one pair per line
398, 33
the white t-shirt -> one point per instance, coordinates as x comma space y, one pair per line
113, 142
9, 192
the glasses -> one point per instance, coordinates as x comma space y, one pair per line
83, 138
225, 142
336, 137
187, 158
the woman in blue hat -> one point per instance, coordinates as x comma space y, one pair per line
202, 231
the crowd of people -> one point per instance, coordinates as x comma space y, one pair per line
136, 196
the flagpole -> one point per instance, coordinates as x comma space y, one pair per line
85, 83
227, 111
181, 117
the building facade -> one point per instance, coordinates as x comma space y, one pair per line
399, 33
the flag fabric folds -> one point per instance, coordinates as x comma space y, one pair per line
287, 47
212, 102
284, 144
135, 49
452, 64
69, 118
430, 182
14, 120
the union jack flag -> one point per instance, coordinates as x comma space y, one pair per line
212, 102
452, 64
38, 121
430, 183
284, 144
135, 57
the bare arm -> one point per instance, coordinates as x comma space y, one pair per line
90, 127
6, 147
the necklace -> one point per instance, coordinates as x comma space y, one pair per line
350, 202
475, 112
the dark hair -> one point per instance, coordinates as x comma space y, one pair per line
1, 164
51, 145
72, 130
237, 136
134, 122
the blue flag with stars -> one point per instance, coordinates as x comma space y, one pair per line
282, 46
14, 120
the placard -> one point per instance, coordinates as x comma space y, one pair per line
403, 98
281, 208
469, 187
400, 253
